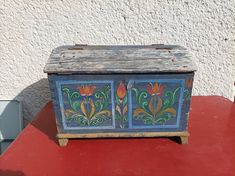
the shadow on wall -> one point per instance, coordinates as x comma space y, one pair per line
33, 98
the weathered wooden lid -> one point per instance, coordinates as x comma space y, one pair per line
119, 59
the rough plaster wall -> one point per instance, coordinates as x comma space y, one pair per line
29, 30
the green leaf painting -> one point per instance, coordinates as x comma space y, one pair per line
86, 110
152, 108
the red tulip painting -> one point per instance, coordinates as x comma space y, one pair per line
155, 89
121, 91
86, 90
121, 105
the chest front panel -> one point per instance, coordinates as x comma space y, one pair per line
121, 102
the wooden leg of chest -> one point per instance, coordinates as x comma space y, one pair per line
63, 142
184, 139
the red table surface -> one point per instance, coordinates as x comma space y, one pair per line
211, 148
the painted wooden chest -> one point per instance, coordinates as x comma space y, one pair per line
120, 91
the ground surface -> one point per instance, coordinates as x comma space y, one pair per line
211, 148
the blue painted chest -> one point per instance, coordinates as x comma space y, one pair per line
120, 91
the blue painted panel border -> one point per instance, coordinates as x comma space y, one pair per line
59, 83
181, 83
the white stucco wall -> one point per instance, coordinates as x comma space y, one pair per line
29, 30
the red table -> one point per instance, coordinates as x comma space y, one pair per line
211, 148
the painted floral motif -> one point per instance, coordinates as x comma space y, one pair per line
121, 91
155, 89
188, 88
86, 90
121, 105
152, 108
87, 107
189, 83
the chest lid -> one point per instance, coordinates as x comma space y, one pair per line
119, 59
